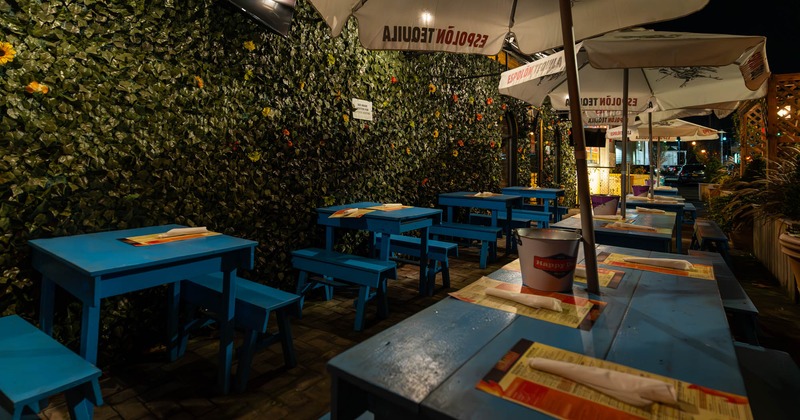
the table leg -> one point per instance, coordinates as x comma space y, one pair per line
679, 228
46, 305
90, 331
329, 238
226, 331
174, 337
426, 283
386, 246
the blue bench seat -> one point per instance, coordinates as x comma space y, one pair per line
438, 256
254, 304
772, 380
708, 236
558, 212
335, 267
487, 236
34, 367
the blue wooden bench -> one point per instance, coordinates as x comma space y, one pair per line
438, 257
519, 218
742, 312
336, 267
34, 367
254, 304
772, 380
487, 236
708, 236
557, 211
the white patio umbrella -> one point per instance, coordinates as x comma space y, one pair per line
481, 27
643, 71
665, 130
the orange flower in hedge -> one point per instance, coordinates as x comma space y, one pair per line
504, 107
7, 53
461, 143
431, 88
491, 144
519, 150
394, 80
435, 134
286, 132
489, 101
36, 87
199, 81
346, 118
289, 143
425, 182
478, 117
408, 150
455, 98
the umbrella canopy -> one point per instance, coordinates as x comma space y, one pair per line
661, 79
665, 130
481, 27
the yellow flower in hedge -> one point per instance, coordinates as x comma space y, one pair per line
268, 112
331, 59
249, 45
437, 114
254, 156
7, 52
435, 133
431, 88
408, 150
199, 81
36, 87
248, 74
455, 152
346, 118
412, 124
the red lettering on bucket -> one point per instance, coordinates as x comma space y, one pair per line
550, 264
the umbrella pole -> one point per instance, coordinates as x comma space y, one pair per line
650, 151
587, 224
658, 161
624, 170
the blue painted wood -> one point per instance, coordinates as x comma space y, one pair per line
99, 265
674, 208
494, 203
652, 241
772, 379
366, 273
34, 367
400, 366
544, 194
384, 224
664, 191
708, 236
644, 325
487, 236
438, 253
254, 304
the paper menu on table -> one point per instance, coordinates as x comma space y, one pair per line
350, 213
512, 379
577, 312
159, 238
607, 277
390, 207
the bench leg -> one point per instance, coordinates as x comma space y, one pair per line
361, 303
80, 400
446, 274
484, 253
285, 332
383, 302
246, 359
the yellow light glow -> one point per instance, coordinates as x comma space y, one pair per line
694, 143
427, 17
785, 112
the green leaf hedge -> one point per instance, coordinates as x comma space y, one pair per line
121, 114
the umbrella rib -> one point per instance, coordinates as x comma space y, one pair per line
513, 13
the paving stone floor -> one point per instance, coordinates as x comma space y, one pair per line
151, 387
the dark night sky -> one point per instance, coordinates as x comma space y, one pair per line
779, 21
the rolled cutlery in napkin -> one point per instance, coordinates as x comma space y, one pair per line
533, 301
626, 387
393, 205
647, 210
183, 231
628, 226
484, 194
661, 262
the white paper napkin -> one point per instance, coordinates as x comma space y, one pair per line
484, 194
533, 301
647, 210
602, 216
183, 231
392, 205
628, 226
626, 387
661, 262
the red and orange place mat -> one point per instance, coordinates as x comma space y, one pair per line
607, 277
155, 238
577, 312
512, 379
350, 213
700, 271
389, 207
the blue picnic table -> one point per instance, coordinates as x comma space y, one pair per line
495, 203
545, 194
660, 240
95, 266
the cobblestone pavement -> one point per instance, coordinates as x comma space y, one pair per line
150, 387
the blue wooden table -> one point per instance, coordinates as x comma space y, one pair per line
429, 364
544, 194
384, 223
652, 241
678, 209
494, 203
95, 266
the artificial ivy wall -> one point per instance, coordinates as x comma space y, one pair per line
121, 114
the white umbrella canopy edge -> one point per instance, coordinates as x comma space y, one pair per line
481, 26
671, 129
